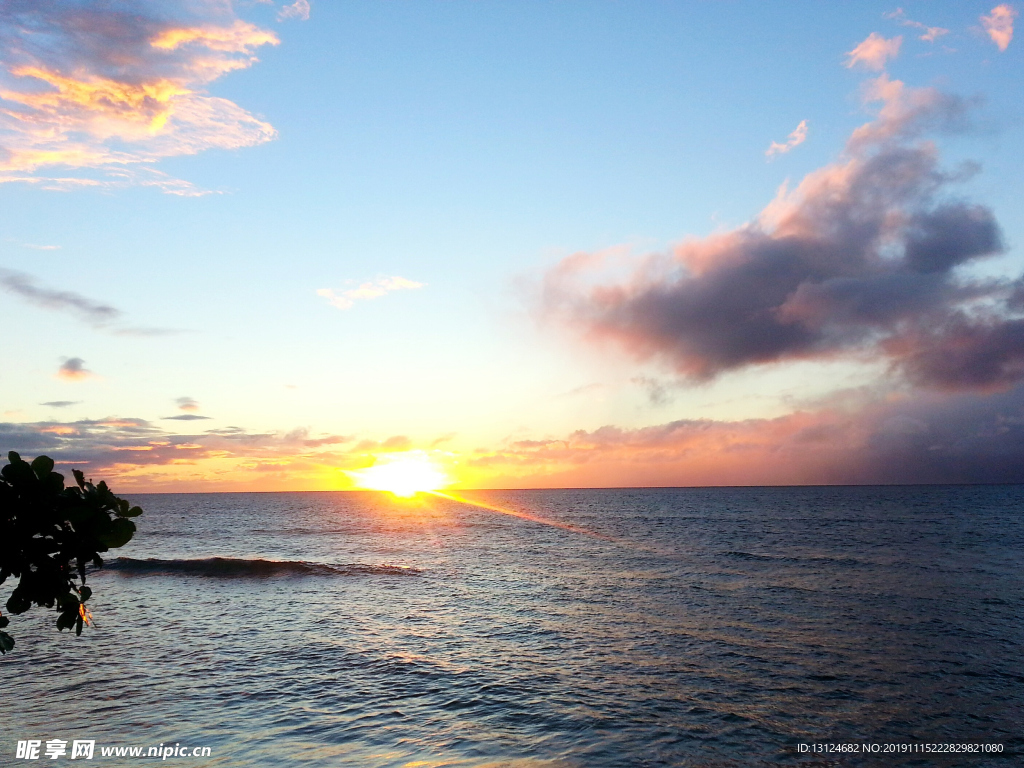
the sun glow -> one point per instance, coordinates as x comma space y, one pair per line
403, 474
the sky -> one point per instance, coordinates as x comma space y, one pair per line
267, 246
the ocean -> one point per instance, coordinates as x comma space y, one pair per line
655, 627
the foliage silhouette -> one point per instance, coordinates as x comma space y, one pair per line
44, 527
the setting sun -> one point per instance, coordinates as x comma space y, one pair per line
403, 474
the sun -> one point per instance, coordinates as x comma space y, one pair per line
403, 474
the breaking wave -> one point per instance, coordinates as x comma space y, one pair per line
230, 567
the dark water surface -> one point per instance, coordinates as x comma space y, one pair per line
717, 627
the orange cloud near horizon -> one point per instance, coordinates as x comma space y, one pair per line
859, 437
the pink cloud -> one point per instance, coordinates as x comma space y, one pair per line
873, 52
861, 259
105, 89
999, 25
928, 34
857, 437
797, 137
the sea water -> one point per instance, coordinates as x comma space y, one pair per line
667, 627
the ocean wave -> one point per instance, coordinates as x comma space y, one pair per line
231, 567
793, 558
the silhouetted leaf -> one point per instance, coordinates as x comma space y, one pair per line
6, 642
86, 593
68, 602
119, 534
133, 512
18, 471
18, 603
42, 466
54, 482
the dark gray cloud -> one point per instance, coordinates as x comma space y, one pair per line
967, 438
186, 417
866, 255
99, 315
61, 403
93, 312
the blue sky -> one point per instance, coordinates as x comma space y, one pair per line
468, 147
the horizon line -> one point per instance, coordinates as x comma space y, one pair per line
618, 488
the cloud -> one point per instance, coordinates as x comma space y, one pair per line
907, 113
859, 436
61, 403
104, 87
92, 312
658, 392
41, 247
865, 257
328, 440
873, 52
297, 10
795, 139
73, 369
366, 291
856, 439
928, 34
999, 25
187, 404
393, 443
136, 453
98, 315
186, 417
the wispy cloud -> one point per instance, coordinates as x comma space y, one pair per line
928, 34
92, 312
795, 139
107, 87
297, 10
100, 316
999, 25
658, 392
73, 369
61, 403
186, 417
369, 290
187, 404
874, 52
35, 247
